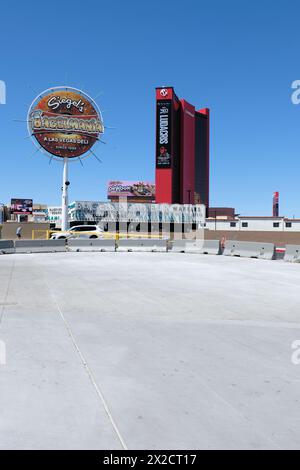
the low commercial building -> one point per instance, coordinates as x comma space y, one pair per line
39, 213
81, 212
23, 210
221, 212
254, 223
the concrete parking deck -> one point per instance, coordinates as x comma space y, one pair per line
148, 350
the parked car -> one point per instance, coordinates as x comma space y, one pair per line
79, 231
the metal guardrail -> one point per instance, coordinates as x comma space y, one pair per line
40, 234
46, 235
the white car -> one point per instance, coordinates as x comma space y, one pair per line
79, 231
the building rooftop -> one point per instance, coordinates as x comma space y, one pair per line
148, 351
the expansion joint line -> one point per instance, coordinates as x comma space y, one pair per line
7, 291
87, 369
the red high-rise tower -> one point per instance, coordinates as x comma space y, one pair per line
182, 150
276, 204
167, 146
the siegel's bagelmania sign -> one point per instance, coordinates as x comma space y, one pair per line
65, 122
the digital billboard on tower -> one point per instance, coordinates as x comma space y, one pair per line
163, 140
167, 149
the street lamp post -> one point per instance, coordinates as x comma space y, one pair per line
64, 202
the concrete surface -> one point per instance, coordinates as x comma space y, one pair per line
148, 350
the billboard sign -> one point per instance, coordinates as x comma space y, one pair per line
54, 213
21, 206
65, 122
163, 129
131, 189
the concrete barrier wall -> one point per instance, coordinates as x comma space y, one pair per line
249, 249
142, 244
7, 246
94, 244
196, 246
232, 247
292, 253
39, 246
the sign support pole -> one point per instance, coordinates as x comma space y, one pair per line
64, 203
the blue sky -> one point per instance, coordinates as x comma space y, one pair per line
236, 57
